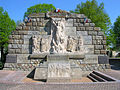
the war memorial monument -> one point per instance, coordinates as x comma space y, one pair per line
59, 46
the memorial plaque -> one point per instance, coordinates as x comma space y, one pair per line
11, 59
103, 60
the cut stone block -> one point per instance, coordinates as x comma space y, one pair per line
57, 58
11, 59
59, 72
76, 73
76, 56
70, 31
87, 40
38, 56
69, 23
40, 73
83, 33
23, 58
103, 60
91, 59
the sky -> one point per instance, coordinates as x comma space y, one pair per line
17, 8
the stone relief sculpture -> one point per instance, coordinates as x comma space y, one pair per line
70, 44
79, 44
44, 45
58, 42
74, 44
58, 70
36, 45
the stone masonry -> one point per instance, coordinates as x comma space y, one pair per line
93, 50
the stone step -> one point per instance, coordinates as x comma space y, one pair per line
104, 76
100, 79
93, 79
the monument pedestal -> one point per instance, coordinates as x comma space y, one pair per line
58, 68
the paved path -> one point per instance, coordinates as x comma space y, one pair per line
12, 76
113, 73
78, 86
12, 80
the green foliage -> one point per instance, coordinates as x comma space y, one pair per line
18, 22
116, 31
39, 8
96, 13
1, 65
6, 27
111, 40
116, 28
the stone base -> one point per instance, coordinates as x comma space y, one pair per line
40, 73
58, 80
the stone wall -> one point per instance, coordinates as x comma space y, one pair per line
20, 42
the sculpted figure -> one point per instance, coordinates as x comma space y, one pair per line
36, 45
58, 70
79, 44
44, 45
58, 36
71, 44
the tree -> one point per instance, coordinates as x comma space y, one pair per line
39, 8
116, 31
96, 13
18, 22
6, 27
111, 40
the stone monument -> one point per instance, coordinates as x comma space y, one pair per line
59, 46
